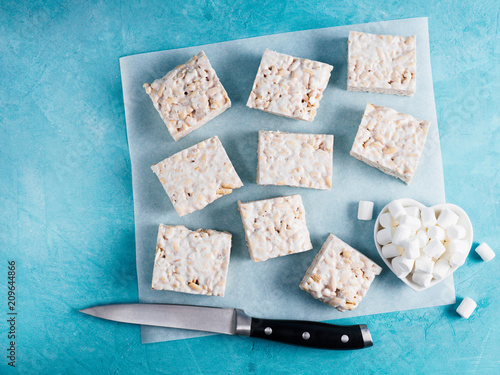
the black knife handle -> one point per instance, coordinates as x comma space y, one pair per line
312, 334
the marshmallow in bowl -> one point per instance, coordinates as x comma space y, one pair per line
457, 259
396, 209
421, 278
436, 232
410, 221
447, 218
423, 237
424, 264
384, 236
441, 268
402, 266
401, 234
456, 232
390, 250
458, 246
411, 248
413, 211
428, 217
434, 249
386, 220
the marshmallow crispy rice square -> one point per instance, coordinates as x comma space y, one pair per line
339, 275
303, 160
289, 86
197, 176
188, 96
191, 261
390, 141
383, 64
275, 227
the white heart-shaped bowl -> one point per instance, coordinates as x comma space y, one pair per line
407, 202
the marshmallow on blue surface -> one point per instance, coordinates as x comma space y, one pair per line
485, 252
365, 210
466, 307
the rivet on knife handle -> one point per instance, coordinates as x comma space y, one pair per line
312, 334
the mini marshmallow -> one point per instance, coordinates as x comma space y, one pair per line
434, 249
424, 264
458, 246
385, 235
365, 210
447, 218
401, 233
390, 250
428, 217
412, 250
422, 279
436, 232
446, 255
485, 252
456, 232
386, 220
402, 266
466, 307
413, 211
423, 238
441, 269
396, 209
457, 259
410, 221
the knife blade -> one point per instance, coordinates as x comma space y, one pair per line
231, 321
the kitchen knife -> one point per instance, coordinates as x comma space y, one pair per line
236, 322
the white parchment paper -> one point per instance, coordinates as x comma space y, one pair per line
270, 289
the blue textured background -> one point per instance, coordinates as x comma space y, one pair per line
66, 198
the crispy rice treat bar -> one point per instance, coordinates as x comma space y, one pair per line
390, 141
339, 275
197, 176
275, 227
188, 96
289, 86
303, 160
384, 64
191, 261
